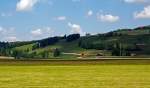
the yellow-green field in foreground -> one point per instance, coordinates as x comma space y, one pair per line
75, 76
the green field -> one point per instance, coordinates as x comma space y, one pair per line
75, 74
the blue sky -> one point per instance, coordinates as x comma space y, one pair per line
37, 19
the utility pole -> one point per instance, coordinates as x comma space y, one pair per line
120, 49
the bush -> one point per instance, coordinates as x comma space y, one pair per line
56, 52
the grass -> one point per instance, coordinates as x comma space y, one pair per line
25, 47
72, 47
75, 74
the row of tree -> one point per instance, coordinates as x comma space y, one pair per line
117, 48
18, 54
54, 40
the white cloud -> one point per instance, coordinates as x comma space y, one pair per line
11, 38
136, 1
61, 18
36, 32
6, 14
90, 13
1, 29
7, 34
41, 33
48, 31
107, 18
25, 5
7, 31
75, 28
143, 14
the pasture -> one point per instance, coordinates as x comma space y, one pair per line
75, 73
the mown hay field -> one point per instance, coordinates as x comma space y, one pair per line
75, 74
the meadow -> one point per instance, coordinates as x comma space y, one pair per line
75, 73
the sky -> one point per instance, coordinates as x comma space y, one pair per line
23, 20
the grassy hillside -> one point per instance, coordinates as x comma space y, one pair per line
71, 48
136, 41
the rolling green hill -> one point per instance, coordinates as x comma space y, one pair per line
122, 42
